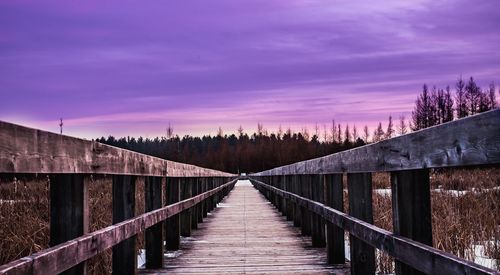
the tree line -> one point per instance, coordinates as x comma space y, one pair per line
242, 152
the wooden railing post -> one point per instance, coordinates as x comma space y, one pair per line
68, 211
154, 234
297, 209
306, 214
194, 211
360, 206
124, 253
186, 214
318, 224
201, 208
289, 204
205, 202
411, 209
172, 224
334, 197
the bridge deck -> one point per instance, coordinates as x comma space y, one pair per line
247, 235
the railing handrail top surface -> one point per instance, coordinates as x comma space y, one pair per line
474, 140
28, 150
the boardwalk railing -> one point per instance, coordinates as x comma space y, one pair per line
190, 191
311, 194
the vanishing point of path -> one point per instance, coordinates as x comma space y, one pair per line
247, 235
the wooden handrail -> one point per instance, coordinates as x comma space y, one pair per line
28, 150
420, 256
66, 255
474, 140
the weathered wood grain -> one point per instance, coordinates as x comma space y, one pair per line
27, 150
420, 256
66, 255
246, 235
69, 212
474, 140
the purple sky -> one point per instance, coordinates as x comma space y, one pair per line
131, 67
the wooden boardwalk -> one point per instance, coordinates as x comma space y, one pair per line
247, 235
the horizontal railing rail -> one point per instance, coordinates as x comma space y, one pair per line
28, 150
474, 140
68, 254
311, 194
420, 256
190, 192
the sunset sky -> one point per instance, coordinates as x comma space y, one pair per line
131, 67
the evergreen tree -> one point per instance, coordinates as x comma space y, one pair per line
473, 97
366, 134
402, 128
378, 134
492, 101
448, 106
390, 129
422, 114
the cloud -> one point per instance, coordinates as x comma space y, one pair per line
128, 66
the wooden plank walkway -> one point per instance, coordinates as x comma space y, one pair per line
247, 235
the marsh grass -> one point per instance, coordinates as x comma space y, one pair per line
460, 220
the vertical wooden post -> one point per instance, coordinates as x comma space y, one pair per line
194, 209
154, 234
289, 204
318, 225
186, 214
297, 212
124, 253
211, 199
306, 214
360, 206
204, 203
411, 209
201, 208
334, 197
68, 211
172, 224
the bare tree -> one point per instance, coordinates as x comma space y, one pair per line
240, 131
460, 100
347, 134
170, 131
325, 134
339, 133
220, 133
492, 101
354, 134
378, 134
333, 131
366, 134
61, 124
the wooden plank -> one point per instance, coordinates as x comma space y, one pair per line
66, 255
334, 198
124, 253
27, 150
420, 256
154, 234
469, 141
172, 224
69, 211
248, 236
411, 209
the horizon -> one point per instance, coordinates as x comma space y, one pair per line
129, 69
